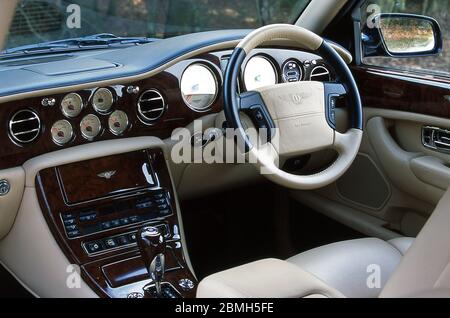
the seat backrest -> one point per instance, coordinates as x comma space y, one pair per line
425, 268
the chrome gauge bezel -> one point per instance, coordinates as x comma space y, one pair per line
90, 138
113, 100
286, 64
72, 134
216, 85
64, 112
321, 66
126, 127
266, 58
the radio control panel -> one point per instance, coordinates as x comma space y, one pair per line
149, 206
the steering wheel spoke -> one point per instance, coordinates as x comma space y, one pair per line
252, 104
333, 92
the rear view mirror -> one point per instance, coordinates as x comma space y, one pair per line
401, 35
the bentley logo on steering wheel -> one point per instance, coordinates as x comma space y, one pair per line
296, 99
292, 98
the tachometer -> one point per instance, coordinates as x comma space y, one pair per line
90, 127
62, 132
118, 122
259, 72
199, 87
103, 100
72, 105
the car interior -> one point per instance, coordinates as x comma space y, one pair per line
224, 149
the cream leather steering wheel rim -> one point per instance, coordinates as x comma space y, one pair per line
299, 116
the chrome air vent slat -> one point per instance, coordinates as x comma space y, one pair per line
23, 120
24, 126
26, 132
152, 110
320, 73
151, 106
151, 99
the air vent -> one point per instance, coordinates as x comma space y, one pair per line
151, 105
320, 73
25, 126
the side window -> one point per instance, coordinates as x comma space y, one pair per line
436, 9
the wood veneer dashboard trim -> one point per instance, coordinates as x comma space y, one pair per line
177, 114
380, 88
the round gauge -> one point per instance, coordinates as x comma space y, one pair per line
118, 122
259, 72
199, 87
90, 126
292, 72
62, 132
72, 105
102, 100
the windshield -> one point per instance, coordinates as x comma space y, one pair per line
37, 21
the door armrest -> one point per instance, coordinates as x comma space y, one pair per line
432, 170
269, 278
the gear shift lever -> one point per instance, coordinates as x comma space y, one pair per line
152, 244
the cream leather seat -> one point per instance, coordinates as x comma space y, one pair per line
347, 265
407, 268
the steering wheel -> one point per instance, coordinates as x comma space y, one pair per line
299, 117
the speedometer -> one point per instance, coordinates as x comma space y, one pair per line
90, 126
259, 72
199, 87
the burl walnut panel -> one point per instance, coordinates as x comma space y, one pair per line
381, 89
81, 182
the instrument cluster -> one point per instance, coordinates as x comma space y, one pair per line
265, 68
102, 103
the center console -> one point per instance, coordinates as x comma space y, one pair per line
97, 210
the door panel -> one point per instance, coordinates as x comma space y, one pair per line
397, 162
395, 179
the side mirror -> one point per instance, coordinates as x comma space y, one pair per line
402, 35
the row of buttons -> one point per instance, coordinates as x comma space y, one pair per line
157, 201
120, 222
110, 243
332, 102
118, 241
70, 222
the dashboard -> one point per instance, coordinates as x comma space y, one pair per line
154, 106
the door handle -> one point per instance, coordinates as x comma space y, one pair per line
436, 138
